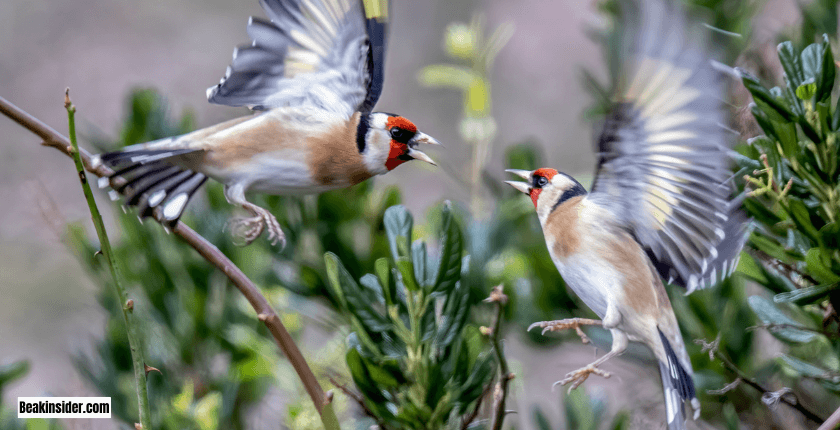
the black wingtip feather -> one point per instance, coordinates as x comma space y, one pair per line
158, 187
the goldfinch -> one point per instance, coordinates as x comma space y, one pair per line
313, 74
661, 204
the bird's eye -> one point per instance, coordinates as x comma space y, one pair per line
400, 135
540, 181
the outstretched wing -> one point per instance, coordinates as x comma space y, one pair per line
664, 152
329, 54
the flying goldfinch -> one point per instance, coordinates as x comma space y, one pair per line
661, 204
313, 73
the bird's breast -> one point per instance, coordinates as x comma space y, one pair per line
598, 260
285, 152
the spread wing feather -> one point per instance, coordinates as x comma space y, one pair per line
329, 54
663, 152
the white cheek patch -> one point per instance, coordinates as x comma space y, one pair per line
376, 151
379, 121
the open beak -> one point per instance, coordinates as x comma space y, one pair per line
416, 154
420, 155
524, 187
421, 137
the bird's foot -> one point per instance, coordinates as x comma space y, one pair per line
275, 233
246, 229
249, 229
579, 376
566, 324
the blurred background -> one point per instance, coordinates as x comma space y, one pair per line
105, 49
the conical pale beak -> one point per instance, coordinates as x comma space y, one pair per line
420, 155
524, 187
521, 186
524, 174
421, 137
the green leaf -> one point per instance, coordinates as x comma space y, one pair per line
362, 377
808, 129
770, 247
13, 371
749, 267
786, 131
451, 245
385, 377
768, 313
811, 59
436, 381
406, 269
767, 102
372, 285
760, 212
802, 218
830, 235
818, 262
807, 295
776, 281
398, 223
807, 90
334, 275
825, 79
357, 300
453, 316
835, 119
810, 370
791, 63
383, 270
419, 255
483, 371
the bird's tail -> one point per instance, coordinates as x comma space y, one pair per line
149, 178
678, 387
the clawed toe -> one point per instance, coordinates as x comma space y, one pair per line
578, 377
249, 229
571, 323
246, 229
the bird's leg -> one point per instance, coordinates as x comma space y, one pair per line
566, 324
251, 228
577, 377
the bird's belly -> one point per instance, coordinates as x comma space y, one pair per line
277, 173
593, 280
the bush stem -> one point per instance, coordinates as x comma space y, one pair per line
126, 305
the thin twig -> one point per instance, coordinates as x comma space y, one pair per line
465, 423
789, 270
500, 395
134, 342
358, 399
712, 348
215, 257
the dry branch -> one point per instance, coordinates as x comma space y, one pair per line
213, 255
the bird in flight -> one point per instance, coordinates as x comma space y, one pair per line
661, 205
312, 73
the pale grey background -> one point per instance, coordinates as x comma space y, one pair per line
103, 48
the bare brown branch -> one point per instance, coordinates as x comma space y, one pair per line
207, 250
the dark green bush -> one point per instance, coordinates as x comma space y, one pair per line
416, 361
793, 183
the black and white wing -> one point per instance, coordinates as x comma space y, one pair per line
329, 54
664, 154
